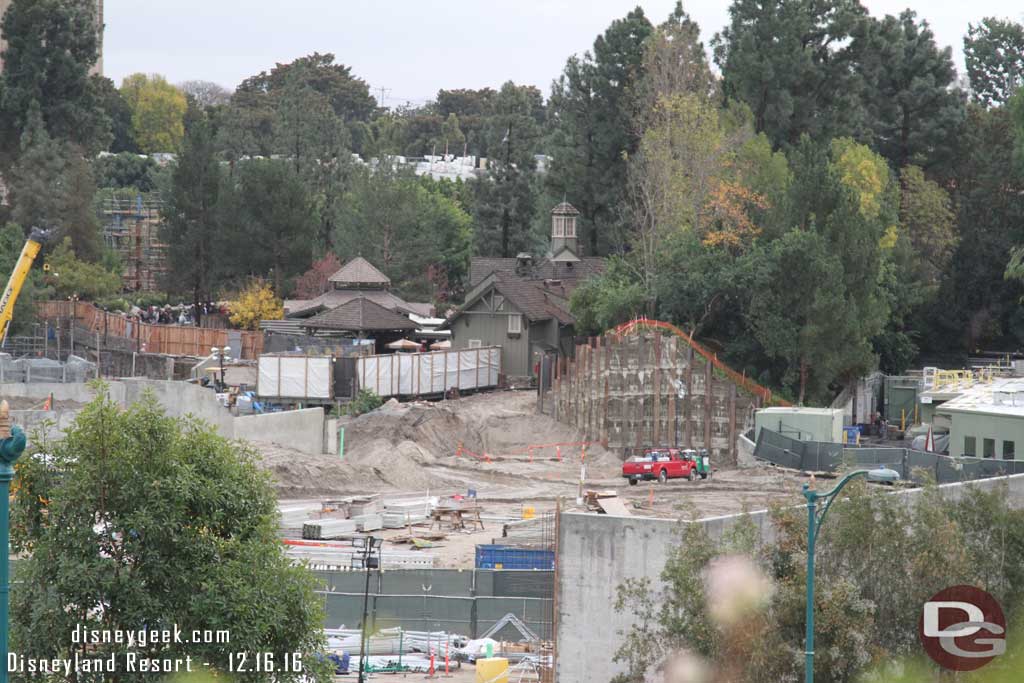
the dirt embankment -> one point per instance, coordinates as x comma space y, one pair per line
414, 446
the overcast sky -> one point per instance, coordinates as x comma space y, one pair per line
413, 48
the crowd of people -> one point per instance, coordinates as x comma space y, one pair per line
182, 314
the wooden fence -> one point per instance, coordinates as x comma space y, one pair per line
177, 340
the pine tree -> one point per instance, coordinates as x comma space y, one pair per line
593, 109
994, 54
51, 45
190, 226
913, 112
786, 60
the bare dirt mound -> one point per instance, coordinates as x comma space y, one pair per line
413, 446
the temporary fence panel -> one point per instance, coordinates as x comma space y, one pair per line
178, 340
295, 377
829, 457
415, 374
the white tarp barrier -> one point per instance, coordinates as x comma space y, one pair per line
299, 377
414, 374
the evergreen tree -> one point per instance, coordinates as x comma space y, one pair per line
276, 213
191, 228
994, 54
118, 111
78, 220
593, 111
36, 181
506, 200
913, 112
788, 61
51, 45
979, 307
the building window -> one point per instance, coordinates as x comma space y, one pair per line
499, 301
970, 446
558, 227
474, 344
570, 226
988, 448
515, 324
1008, 450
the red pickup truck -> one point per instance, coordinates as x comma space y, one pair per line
661, 464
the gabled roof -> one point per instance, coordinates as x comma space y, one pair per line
480, 267
359, 315
536, 299
304, 308
360, 272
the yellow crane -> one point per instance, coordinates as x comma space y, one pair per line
28, 254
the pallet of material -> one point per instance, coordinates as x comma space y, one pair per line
363, 506
398, 520
322, 529
368, 522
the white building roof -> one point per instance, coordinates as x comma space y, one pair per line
1003, 397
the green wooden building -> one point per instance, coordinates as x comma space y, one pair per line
521, 304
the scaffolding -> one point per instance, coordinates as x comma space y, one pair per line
131, 227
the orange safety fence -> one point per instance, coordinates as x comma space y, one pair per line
748, 385
177, 340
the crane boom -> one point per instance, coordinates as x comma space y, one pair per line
28, 254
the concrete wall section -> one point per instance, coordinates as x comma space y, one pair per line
54, 421
180, 399
81, 393
302, 430
597, 553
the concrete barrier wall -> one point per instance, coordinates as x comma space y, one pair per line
82, 393
180, 398
302, 430
597, 553
56, 421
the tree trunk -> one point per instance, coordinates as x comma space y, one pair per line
504, 233
803, 381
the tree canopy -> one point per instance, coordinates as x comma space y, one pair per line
125, 506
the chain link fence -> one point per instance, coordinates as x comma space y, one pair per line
818, 456
75, 370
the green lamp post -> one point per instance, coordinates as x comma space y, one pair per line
814, 521
12, 445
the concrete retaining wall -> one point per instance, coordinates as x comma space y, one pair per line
597, 553
81, 393
56, 421
302, 430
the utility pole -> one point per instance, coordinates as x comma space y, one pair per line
383, 93
370, 559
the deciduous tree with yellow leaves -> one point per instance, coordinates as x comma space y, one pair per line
255, 303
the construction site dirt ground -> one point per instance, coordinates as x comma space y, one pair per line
509, 458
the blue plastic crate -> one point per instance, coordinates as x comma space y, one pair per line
509, 557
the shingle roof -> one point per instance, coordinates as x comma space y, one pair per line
359, 271
536, 299
481, 267
565, 209
360, 314
338, 297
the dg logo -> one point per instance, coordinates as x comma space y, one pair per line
962, 628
